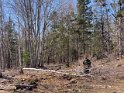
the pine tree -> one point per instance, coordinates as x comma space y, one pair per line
84, 22
102, 33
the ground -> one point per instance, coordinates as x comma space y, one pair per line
106, 77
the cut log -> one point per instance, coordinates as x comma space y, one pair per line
21, 71
1, 75
26, 86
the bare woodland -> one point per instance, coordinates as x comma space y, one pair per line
47, 31
43, 44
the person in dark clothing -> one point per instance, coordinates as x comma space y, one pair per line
87, 65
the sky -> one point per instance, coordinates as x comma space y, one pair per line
75, 2
8, 11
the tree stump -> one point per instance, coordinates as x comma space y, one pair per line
1, 74
21, 71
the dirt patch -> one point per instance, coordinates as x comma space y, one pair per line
104, 78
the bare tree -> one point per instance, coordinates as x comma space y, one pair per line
1, 35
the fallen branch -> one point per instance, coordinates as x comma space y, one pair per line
56, 72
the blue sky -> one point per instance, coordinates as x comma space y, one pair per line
75, 2
8, 11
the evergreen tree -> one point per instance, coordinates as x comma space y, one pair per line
84, 20
102, 30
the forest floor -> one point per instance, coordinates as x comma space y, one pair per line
106, 77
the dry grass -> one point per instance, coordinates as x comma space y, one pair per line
107, 77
